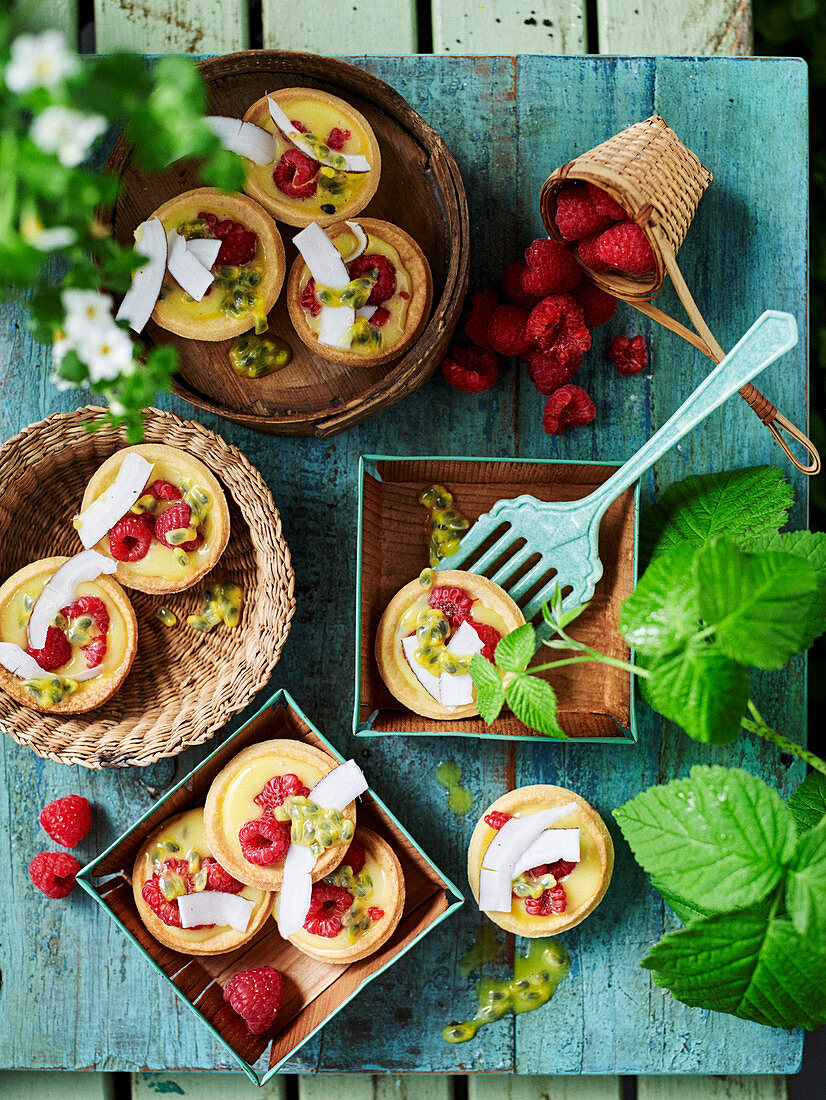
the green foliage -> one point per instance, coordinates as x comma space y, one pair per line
808, 803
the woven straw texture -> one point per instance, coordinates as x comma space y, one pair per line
183, 685
659, 181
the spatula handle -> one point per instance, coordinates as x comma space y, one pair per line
771, 335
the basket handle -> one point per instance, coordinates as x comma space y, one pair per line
704, 341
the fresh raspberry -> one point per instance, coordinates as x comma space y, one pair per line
67, 820
278, 788
176, 518
238, 247
489, 635
547, 372
476, 326
93, 606
404, 295
95, 651
604, 204
625, 247
589, 254
629, 356
471, 370
374, 913
256, 995
53, 873
355, 857
506, 330
556, 324
552, 269
538, 871
56, 652
548, 902
309, 300
296, 125
576, 216
164, 490
295, 174
496, 819
380, 317
336, 138
164, 910
568, 407
327, 906
218, 878
561, 869
512, 287
264, 841
385, 286
130, 538
454, 604
597, 306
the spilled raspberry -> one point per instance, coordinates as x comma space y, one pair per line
629, 356
257, 996
327, 906
176, 518
604, 204
552, 268
496, 819
374, 913
576, 215
489, 635
556, 325
130, 538
309, 300
549, 902
471, 370
264, 841
378, 267
93, 606
568, 407
624, 247
506, 330
67, 820
476, 326
512, 287
589, 254
355, 857
277, 789
296, 174
53, 873
547, 372
454, 604
336, 138
56, 652
597, 306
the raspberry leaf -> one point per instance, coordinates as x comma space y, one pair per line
810, 545
515, 650
533, 701
747, 963
663, 610
681, 907
808, 803
490, 691
719, 839
806, 884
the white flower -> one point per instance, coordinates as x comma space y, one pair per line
68, 133
39, 61
86, 312
34, 232
60, 384
107, 353
60, 346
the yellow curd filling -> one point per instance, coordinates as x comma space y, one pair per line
371, 888
185, 840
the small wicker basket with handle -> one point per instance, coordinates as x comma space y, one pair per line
660, 182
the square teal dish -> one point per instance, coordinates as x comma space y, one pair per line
314, 990
596, 702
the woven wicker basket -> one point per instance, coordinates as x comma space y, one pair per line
183, 685
660, 182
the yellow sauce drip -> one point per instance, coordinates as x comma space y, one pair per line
446, 524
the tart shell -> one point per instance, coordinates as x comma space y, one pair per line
159, 452
240, 208
266, 878
387, 658
165, 934
95, 692
381, 930
281, 206
543, 795
418, 307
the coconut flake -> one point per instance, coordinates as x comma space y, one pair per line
334, 325
60, 590
361, 241
245, 138
339, 787
86, 673
465, 642
205, 250
296, 890
455, 691
322, 257
186, 269
18, 662
215, 907
140, 299
366, 312
352, 163
505, 850
104, 512
549, 846
431, 683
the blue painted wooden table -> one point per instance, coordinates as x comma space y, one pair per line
74, 995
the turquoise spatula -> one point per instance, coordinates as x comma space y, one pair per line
565, 533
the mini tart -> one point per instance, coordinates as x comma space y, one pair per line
585, 886
408, 316
187, 829
122, 638
231, 803
206, 320
319, 112
495, 607
158, 572
387, 894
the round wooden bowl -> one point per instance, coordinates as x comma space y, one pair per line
183, 685
311, 396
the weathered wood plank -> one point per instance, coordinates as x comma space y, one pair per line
341, 27
496, 27
361, 1086
544, 1088
713, 1088
24, 1085
648, 27
203, 1086
171, 26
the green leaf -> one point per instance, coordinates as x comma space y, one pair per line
738, 503
554, 615
490, 691
806, 884
810, 545
663, 610
745, 964
684, 910
702, 690
719, 839
533, 701
758, 604
515, 650
808, 803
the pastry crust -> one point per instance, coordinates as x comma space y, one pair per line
418, 307
219, 535
266, 878
94, 693
389, 654
381, 930
240, 208
166, 934
288, 210
543, 795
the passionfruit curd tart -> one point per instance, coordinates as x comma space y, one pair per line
68, 634
326, 163
185, 897
159, 513
540, 860
429, 633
